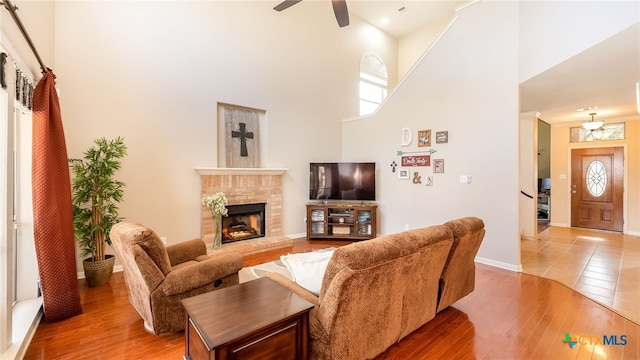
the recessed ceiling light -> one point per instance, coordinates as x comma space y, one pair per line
587, 108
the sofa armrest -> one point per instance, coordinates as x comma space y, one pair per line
316, 329
295, 288
200, 274
185, 251
151, 274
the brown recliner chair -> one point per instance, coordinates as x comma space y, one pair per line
158, 277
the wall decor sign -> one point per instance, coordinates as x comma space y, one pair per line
442, 137
406, 137
425, 151
417, 179
429, 180
403, 174
438, 165
393, 166
424, 138
416, 160
242, 134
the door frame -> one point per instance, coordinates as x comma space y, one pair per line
625, 177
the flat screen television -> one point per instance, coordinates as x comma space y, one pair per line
342, 181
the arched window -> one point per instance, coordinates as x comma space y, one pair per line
373, 83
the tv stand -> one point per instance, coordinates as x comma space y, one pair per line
341, 220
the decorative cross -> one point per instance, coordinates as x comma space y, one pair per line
243, 135
393, 166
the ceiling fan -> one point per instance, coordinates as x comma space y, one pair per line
339, 8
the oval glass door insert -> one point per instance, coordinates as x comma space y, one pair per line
596, 177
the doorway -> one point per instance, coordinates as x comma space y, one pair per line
597, 188
544, 175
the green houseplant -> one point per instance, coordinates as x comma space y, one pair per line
95, 195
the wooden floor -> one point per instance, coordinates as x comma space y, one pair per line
509, 316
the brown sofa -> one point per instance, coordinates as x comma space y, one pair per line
376, 292
459, 274
158, 277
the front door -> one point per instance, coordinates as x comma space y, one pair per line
597, 188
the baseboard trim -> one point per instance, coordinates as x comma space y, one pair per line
297, 236
499, 264
116, 268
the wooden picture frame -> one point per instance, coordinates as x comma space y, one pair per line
442, 137
424, 138
438, 165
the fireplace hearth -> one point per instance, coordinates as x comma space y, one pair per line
244, 222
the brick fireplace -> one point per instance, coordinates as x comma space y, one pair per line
246, 186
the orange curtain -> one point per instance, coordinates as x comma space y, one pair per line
52, 212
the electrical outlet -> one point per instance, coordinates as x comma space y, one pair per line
163, 239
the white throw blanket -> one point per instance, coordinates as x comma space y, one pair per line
307, 269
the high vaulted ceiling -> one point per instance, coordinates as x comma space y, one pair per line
603, 76
404, 16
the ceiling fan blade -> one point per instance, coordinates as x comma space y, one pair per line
342, 14
285, 4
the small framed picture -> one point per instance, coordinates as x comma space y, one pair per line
403, 174
438, 165
442, 137
424, 138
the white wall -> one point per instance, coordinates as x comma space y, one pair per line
552, 31
412, 46
528, 168
467, 85
153, 73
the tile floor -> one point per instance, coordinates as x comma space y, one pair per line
602, 265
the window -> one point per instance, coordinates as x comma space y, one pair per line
6, 238
373, 83
20, 302
606, 132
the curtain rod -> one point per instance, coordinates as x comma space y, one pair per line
12, 9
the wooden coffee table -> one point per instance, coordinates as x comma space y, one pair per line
259, 319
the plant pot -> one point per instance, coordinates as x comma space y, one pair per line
98, 272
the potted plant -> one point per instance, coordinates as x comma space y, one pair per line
95, 195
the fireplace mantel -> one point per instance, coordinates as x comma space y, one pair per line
241, 171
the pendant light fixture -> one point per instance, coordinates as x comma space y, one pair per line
592, 124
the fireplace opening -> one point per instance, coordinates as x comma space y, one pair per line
243, 222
